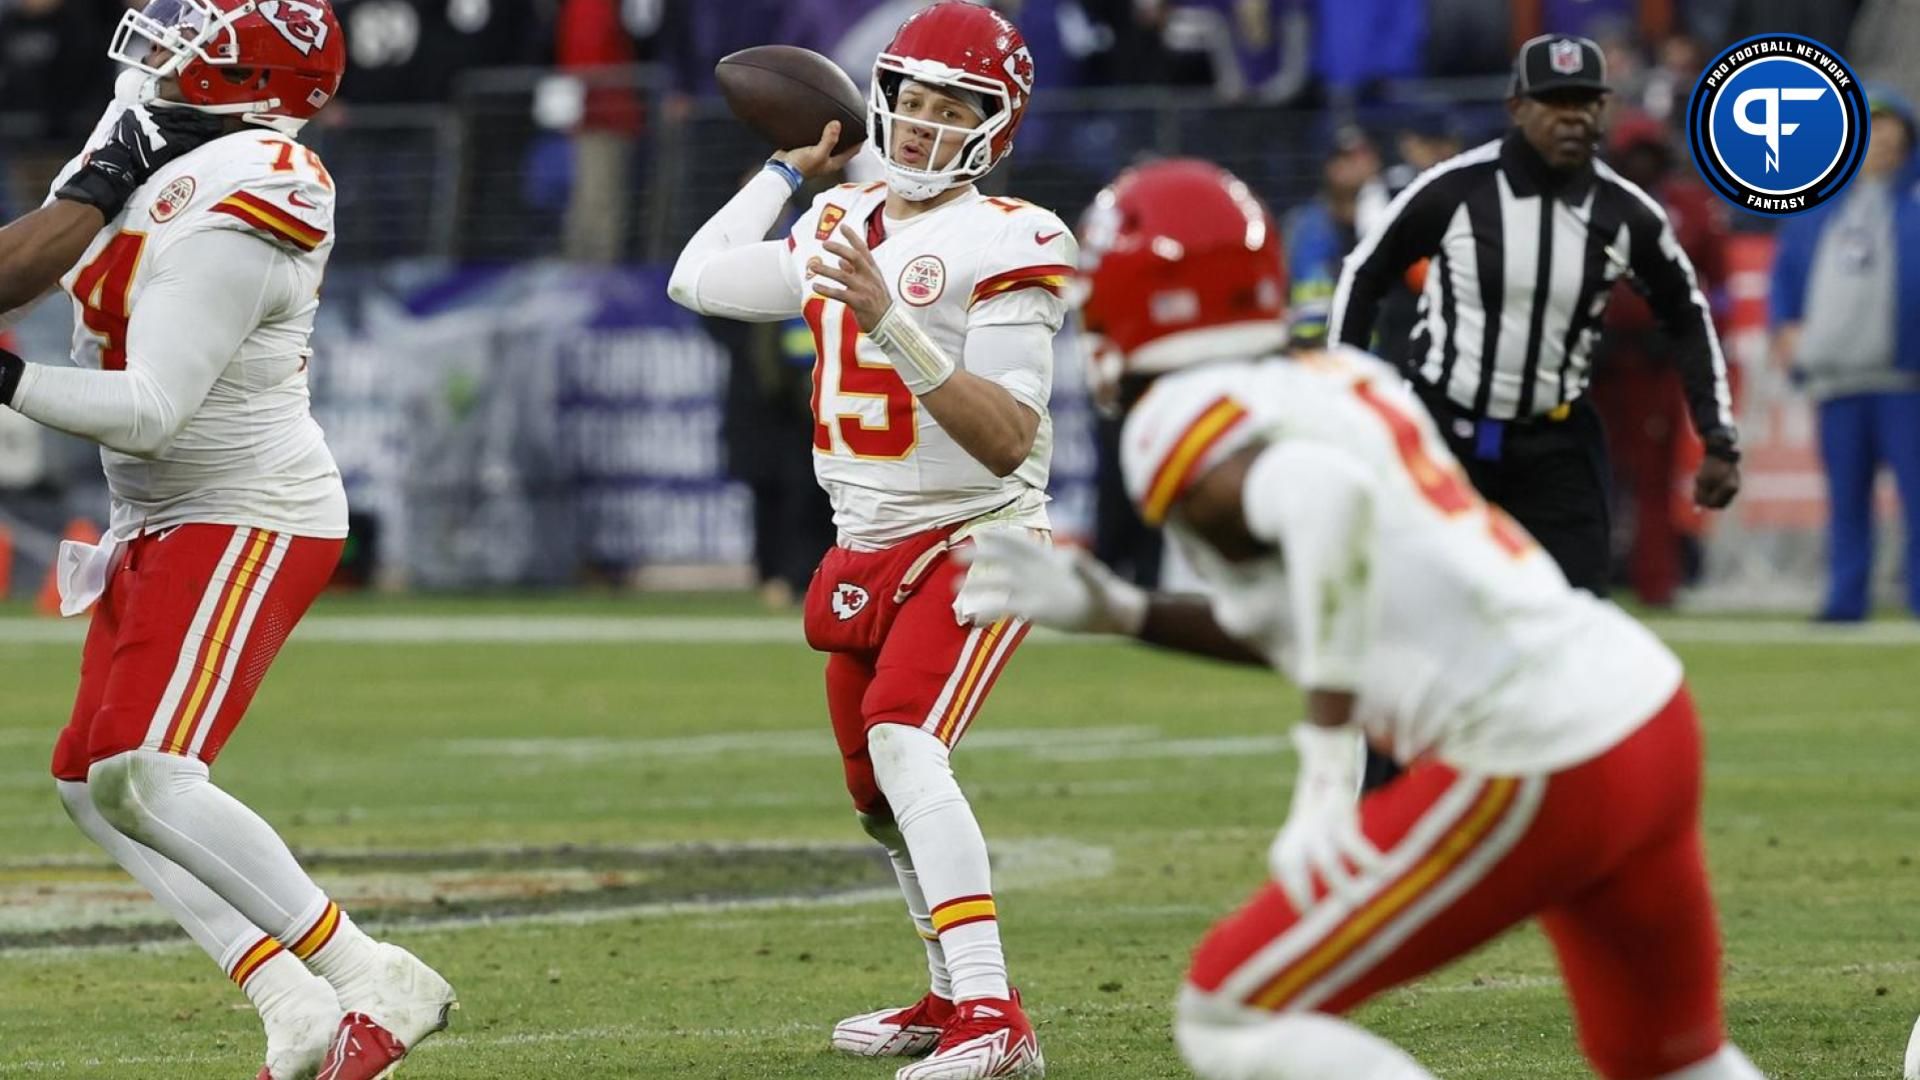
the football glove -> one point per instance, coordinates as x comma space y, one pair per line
1322, 836
143, 140
1060, 588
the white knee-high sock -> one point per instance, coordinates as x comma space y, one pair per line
1293, 1046
882, 828
213, 923
264, 971
1913, 1054
167, 802
948, 854
1728, 1064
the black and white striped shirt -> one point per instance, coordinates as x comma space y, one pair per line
1520, 263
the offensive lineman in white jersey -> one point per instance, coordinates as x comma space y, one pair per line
933, 310
193, 304
1339, 542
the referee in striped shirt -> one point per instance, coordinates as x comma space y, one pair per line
1514, 247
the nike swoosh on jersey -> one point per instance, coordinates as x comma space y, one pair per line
294, 198
1044, 239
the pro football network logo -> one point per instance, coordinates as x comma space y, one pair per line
1778, 124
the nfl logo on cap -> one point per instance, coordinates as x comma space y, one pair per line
1564, 57
1559, 63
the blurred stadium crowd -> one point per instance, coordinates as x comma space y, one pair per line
647, 70
504, 132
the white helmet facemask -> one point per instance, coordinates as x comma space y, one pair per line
975, 156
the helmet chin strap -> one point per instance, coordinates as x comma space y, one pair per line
913, 187
134, 87
918, 185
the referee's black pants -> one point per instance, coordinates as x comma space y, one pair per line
1551, 475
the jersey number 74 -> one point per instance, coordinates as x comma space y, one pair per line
105, 291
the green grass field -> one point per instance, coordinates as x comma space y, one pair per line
1131, 797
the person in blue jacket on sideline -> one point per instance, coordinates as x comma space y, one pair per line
1846, 312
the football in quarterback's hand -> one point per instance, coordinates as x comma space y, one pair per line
788, 94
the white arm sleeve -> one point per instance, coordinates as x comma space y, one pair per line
1017, 357
1315, 503
728, 268
177, 346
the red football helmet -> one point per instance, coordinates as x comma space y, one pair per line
1180, 263
271, 62
959, 45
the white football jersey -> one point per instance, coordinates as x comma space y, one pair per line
889, 468
251, 454
1392, 579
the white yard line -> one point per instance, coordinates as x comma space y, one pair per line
762, 630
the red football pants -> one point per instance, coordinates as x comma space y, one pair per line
897, 655
191, 620
1607, 854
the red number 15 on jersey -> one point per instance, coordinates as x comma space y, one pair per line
836, 334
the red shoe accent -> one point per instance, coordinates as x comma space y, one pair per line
361, 1050
989, 1039
984, 1016
907, 1032
930, 1011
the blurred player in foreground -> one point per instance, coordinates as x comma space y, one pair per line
193, 237
933, 308
1913, 1054
1340, 542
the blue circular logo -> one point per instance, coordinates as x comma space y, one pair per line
1778, 124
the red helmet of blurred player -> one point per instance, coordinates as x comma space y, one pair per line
953, 46
271, 62
1180, 263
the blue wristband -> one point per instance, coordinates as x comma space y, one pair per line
786, 172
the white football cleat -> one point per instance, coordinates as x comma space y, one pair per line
907, 1032
298, 1033
988, 1038
1913, 1053
388, 1011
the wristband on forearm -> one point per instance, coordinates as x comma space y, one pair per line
12, 368
786, 172
920, 363
103, 189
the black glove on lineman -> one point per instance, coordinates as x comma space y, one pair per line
134, 152
11, 368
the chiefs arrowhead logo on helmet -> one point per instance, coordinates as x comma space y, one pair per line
1019, 67
848, 601
299, 22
